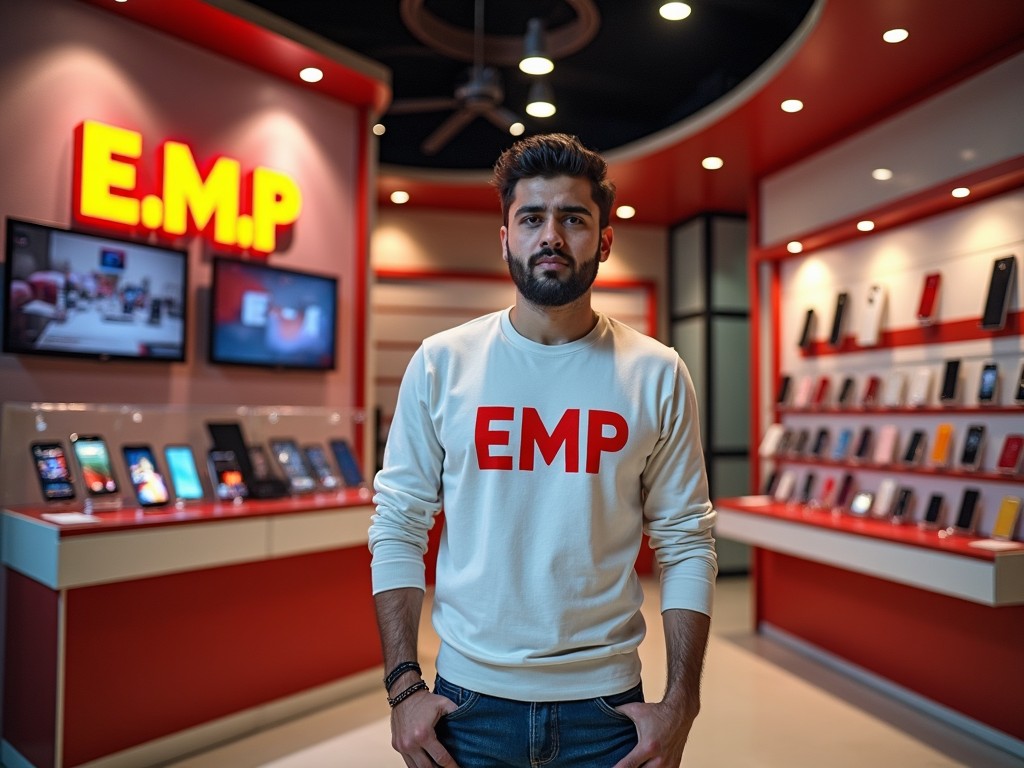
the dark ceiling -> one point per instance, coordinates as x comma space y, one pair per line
640, 74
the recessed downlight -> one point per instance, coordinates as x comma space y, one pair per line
399, 197
881, 174
792, 105
311, 74
794, 246
960, 192
895, 35
675, 11
865, 226
625, 211
379, 129
517, 129
712, 163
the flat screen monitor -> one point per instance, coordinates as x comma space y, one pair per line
85, 295
272, 317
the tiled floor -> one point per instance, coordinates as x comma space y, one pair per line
763, 706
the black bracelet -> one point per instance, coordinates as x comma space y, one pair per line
419, 685
400, 670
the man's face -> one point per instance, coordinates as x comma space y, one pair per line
553, 242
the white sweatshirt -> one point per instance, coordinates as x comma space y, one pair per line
547, 461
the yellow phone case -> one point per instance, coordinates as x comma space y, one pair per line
1006, 518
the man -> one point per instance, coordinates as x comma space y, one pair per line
551, 435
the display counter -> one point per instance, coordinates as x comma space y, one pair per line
134, 637
931, 618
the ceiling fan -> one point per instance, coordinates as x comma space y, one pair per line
480, 96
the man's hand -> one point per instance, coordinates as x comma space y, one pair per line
412, 730
662, 734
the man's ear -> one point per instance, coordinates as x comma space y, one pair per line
607, 234
503, 237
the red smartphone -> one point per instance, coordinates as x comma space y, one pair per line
871, 391
929, 298
821, 391
1009, 456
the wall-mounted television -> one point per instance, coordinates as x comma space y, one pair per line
86, 295
272, 317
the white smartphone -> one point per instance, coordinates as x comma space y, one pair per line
892, 394
920, 388
869, 326
885, 445
771, 440
787, 483
884, 498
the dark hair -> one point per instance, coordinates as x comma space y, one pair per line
550, 155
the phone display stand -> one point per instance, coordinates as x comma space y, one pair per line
93, 504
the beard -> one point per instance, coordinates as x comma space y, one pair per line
547, 290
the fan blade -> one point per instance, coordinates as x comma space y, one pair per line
501, 117
446, 131
408, 106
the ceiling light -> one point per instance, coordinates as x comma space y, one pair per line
379, 129
792, 105
675, 11
400, 197
517, 129
712, 163
865, 226
961, 192
311, 75
625, 211
794, 246
895, 35
881, 174
535, 59
541, 100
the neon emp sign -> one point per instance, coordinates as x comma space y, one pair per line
231, 211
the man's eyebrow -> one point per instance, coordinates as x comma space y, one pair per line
580, 209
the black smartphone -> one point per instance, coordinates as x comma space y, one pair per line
863, 444
226, 475
317, 459
901, 509
820, 442
846, 391
1019, 397
94, 461
770, 482
950, 382
933, 513
971, 456
998, 299
292, 463
53, 471
181, 466
966, 517
807, 334
988, 384
915, 447
146, 478
836, 337
351, 475
785, 384
845, 487
808, 487
800, 443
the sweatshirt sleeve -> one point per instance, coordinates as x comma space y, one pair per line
678, 516
407, 488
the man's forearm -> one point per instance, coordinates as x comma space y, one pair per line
398, 621
686, 640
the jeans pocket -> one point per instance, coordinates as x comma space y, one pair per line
608, 704
463, 698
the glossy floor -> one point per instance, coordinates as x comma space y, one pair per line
763, 706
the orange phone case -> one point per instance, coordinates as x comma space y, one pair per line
942, 444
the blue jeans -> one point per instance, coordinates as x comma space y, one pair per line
489, 732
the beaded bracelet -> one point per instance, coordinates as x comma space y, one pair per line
419, 685
400, 670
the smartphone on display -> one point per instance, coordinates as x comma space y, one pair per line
184, 474
292, 463
803, 436
784, 490
950, 382
915, 447
988, 385
804, 390
260, 462
871, 389
869, 328
895, 384
997, 301
846, 392
808, 488
884, 498
885, 446
827, 489
942, 445
1010, 455
933, 512
53, 471
820, 442
807, 334
351, 475
838, 321
94, 461
226, 475
821, 392
1006, 518
144, 475
973, 444
901, 509
861, 503
1019, 396
920, 388
845, 487
842, 444
771, 440
785, 384
966, 517
316, 457
770, 482
860, 453
926, 308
